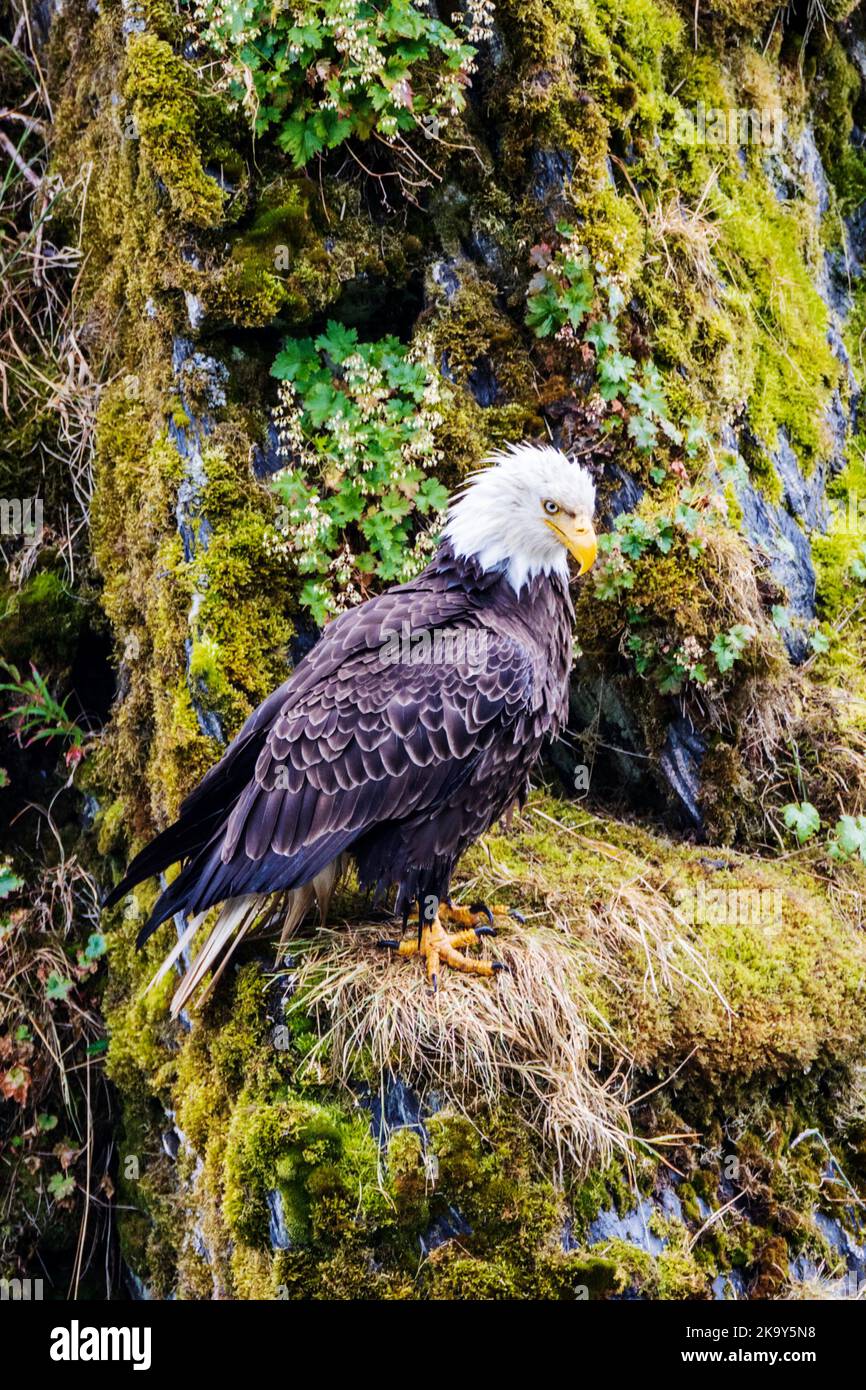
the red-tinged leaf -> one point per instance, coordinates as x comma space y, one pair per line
15, 1084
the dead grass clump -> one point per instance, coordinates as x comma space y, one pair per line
684, 236
538, 1034
824, 1287
56, 1162
44, 374
533, 1035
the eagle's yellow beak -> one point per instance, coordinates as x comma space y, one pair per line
578, 536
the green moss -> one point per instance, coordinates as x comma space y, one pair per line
324, 1166
40, 622
752, 16
838, 551
679, 1276
271, 266
839, 556
601, 1189
409, 1179
290, 260
835, 90
110, 826
719, 282
239, 626
787, 318
345, 1205
161, 90
790, 979
540, 103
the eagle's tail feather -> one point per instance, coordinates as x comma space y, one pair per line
182, 943
176, 842
300, 900
234, 919
319, 890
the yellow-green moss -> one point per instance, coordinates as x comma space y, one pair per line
40, 621
834, 91
161, 90
241, 629
792, 982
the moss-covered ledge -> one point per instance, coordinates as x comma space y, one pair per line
726, 988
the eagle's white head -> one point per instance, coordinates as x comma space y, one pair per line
524, 513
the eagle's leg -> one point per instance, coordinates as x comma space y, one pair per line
440, 949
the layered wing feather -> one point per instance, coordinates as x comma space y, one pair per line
350, 743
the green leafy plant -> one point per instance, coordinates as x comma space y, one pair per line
802, 818
56, 987
357, 420
634, 535
849, 840
781, 617
561, 292
574, 300
728, 647
89, 958
9, 882
61, 1185
96, 946
38, 715
668, 666
320, 72
857, 564
668, 659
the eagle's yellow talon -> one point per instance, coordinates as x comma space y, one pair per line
438, 949
468, 938
457, 915
468, 916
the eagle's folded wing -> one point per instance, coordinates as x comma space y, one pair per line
368, 743
360, 629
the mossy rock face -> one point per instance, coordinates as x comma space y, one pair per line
296, 1186
713, 989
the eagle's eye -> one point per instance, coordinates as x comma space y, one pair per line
551, 508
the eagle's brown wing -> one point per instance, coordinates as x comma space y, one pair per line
352, 741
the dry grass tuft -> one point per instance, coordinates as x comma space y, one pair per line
685, 236
51, 1071
537, 1033
532, 1034
621, 914
44, 372
824, 1287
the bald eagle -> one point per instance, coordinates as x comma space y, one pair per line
406, 732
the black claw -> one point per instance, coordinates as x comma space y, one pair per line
483, 908
484, 931
434, 985
386, 942
518, 916
500, 965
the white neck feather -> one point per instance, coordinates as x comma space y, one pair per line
497, 545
